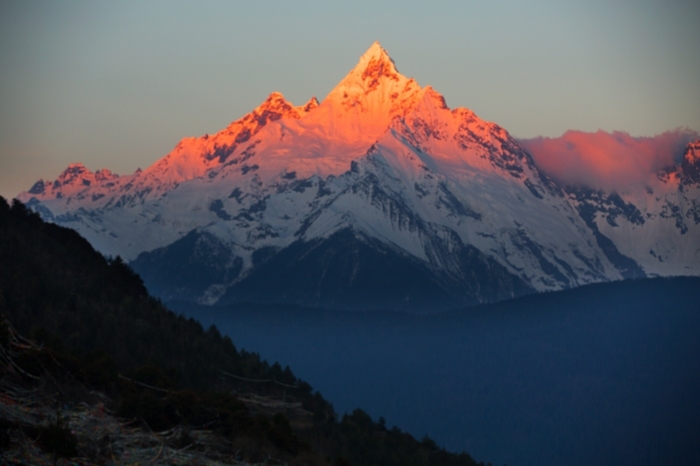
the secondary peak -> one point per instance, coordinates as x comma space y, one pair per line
273, 108
310, 105
73, 171
275, 100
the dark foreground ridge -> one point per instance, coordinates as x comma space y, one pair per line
94, 370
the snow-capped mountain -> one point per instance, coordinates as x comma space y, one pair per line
658, 225
378, 196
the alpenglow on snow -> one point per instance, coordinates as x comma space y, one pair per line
379, 196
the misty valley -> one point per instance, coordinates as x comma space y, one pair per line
605, 374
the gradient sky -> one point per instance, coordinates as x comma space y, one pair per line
117, 84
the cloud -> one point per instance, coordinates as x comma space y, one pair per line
611, 161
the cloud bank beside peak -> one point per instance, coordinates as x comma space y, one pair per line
611, 161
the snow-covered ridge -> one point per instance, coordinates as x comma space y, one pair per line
456, 200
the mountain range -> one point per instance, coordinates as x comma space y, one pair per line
379, 196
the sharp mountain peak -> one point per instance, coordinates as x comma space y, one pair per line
386, 159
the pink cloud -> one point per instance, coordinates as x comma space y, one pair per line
610, 161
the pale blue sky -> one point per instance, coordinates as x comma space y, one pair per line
117, 84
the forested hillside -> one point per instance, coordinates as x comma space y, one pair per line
91, 324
